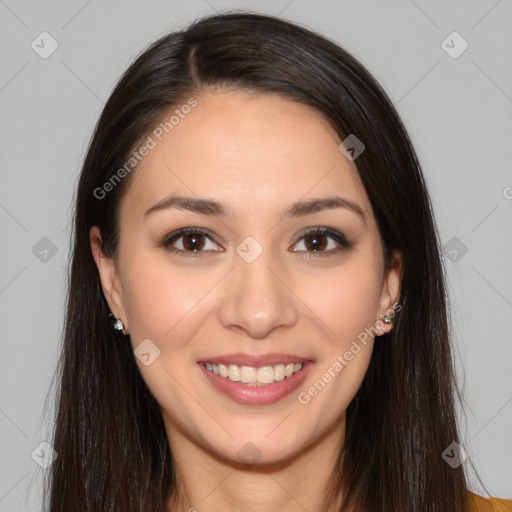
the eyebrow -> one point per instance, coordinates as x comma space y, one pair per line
219, 209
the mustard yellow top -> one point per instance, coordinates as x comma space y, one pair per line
480, 504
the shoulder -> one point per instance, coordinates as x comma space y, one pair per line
479, 504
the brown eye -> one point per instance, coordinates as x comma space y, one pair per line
315, 242
192, 241
322, 242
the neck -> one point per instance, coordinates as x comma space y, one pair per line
207, 481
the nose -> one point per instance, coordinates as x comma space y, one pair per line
257, 298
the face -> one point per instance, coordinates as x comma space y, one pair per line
256, 283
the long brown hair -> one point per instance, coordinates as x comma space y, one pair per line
113, 453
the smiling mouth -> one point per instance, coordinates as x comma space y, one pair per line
254, 376
277, 381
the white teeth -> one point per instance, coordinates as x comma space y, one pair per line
234, 373
255, 376
223, 370
248, 374
279, 372
265, 375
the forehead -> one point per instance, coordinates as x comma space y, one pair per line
248, 150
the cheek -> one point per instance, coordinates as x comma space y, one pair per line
163, 302
345, 300
168, 306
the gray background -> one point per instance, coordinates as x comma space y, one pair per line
458, 113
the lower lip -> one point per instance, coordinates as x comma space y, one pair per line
257, 395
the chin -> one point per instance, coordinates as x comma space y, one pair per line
259, 450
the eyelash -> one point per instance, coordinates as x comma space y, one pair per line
328, 232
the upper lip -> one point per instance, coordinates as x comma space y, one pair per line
255, 361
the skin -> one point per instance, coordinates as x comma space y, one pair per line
258, 154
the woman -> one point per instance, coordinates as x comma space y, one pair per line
256, 313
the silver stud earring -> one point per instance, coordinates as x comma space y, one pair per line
116, 324
387, 320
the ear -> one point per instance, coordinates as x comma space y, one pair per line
109, 277
391, 287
